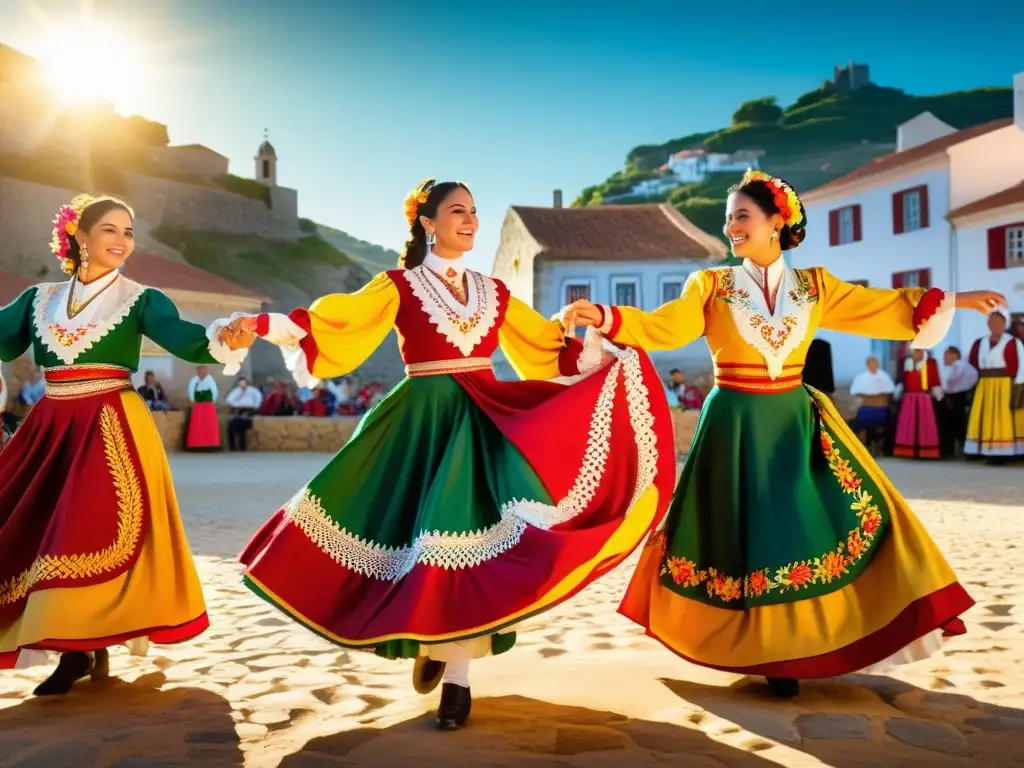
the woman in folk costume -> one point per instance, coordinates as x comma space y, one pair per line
917, 429
454, 513
202, 431
92, 550
786, 552
995, 427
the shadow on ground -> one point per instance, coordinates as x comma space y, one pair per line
113, 724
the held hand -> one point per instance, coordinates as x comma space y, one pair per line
239, 334
985, 302
580, 313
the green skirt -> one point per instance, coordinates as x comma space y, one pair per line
786, 552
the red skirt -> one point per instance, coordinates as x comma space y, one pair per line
92, 552
203, 431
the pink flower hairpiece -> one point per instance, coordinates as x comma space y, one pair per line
65, 227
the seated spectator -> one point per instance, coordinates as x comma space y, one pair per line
279, 402
153, 393
322, 403
244, 401
687, 397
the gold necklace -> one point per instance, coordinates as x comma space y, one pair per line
76, 308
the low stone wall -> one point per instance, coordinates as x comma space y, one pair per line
300, 433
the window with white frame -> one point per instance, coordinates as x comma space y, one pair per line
671, 289
1015, 247
626, 293
846, 225
577, 291
911, 210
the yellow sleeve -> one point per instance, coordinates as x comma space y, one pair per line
880, 313
532, 344
672, 325
345, 328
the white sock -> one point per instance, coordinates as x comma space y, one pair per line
456, 668
456, 672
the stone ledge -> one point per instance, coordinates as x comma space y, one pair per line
304, 433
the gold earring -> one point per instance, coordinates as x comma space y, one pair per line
775, 234
84, 249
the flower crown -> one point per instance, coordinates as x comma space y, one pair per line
786, 201
416, 198
65, 226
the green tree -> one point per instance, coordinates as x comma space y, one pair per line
764, 111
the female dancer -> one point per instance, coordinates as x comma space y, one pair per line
455, 511
786, 552
92, 551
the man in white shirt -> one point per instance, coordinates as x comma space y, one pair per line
875, 388
244, 401
961, 379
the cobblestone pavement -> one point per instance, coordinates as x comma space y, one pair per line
583, 687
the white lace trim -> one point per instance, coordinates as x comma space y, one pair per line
92, 332
774, 336
464, 550
445, 312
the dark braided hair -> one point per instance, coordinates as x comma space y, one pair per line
790, 236
91, 214
416, 246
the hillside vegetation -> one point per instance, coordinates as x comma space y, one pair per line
824, 134
294, 274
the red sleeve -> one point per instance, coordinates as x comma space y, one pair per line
1010, 356
927, 307
569, 357
975, 354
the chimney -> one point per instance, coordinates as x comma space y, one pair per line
1018, 101
558, 198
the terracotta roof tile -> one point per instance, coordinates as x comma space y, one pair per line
916, 154
11, 287
1012, 196
618, 233
159, 272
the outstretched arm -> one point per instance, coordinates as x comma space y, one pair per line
539, 349
921, 316
185, 340
336, 334
672, 325
16, 326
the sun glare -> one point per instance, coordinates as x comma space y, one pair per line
90, 63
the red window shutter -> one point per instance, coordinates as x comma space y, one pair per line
923, 189
997, 248
897, 279
856, 224
833, 227
897, 213
924, 278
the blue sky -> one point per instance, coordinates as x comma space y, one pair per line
363, 99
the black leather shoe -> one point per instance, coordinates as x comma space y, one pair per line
73, 666
426, 674
455, 705
783, 687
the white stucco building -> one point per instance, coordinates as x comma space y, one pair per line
922, 216
636, 255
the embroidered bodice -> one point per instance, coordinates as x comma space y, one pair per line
920, 376
108, 330
433, 324
761, 321
1007, 353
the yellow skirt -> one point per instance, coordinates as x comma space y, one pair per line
993, 429
159, 597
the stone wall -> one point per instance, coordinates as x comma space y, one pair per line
27, 210
303, 434
206, 209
